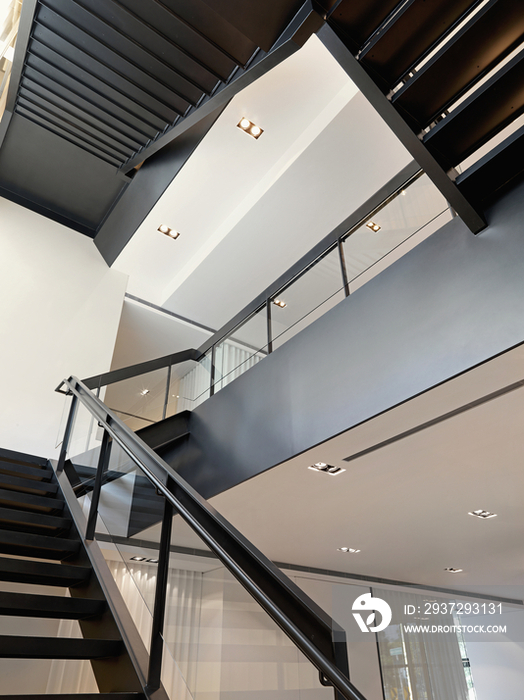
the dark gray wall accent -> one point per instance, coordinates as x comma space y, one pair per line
146, 187
453, 302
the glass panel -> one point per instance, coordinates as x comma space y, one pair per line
308, 298
138, 401
241, 350
84, 444
190, 385
408, 213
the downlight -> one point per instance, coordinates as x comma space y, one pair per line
373, 226
163, 228
482, 514
250, 128
138, 558
280, 303
348, 550
452, 570
326, 468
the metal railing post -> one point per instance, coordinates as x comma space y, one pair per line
67, 434
269, 327
166, 400
103, 463
343, 268
212, 372
159, 611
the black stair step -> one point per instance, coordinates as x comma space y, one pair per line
41, 546
36, 473
7, 481
48, 606
41, 504
42, 573
14, 456
35, 522
15, 647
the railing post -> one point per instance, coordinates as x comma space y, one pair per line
103, 462
343, 268
156, 649
269, 328
212, 372
67, 434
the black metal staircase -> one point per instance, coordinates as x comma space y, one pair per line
39, 544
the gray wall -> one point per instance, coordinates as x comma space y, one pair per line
452, 302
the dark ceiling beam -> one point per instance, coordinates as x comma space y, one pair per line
471, 217
22, 40
306, 22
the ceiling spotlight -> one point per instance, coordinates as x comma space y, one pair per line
280, 303
152, 561
250, 128
403, 193
326, 468
144, 392
348, 549
484, 514
451, 570
373, 226
168, 231
138, 558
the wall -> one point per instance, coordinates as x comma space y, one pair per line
59, 312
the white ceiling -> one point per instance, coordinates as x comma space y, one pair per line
248, 209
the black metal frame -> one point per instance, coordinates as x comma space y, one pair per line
318, 637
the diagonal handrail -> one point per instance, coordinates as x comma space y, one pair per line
317, 636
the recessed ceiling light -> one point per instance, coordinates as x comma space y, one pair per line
403, 193
484, 514
326, 468
373, 226
163, 228
280, 303
138, 558
144, 392
348, 549
250, 128
152, 561
451, 570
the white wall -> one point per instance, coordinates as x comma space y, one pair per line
60, 307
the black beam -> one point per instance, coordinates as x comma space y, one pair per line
472, 218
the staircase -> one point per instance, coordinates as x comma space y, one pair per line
39, 544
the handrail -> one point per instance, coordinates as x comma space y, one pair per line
383, 196
317, 636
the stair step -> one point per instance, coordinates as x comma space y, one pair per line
36, 521
22, 457
18, 647
42, 573
26, 485
36, 473
41, 546
17, 499
49, 606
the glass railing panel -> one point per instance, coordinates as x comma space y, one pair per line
308, 298
190, 385
139, 401
220, 639
245, 347
394, 227
83, 449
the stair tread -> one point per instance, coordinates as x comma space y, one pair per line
49, 606
34, 545
28, 485
21, 647
23, 457
35, 473
38, 520
28, 500
42, 573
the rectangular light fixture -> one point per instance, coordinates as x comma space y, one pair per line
138, 558
250, 128
280, 303
373, 226
484, 514
326, 468
163, 228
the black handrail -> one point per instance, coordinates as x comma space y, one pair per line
317, 636
380, 199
